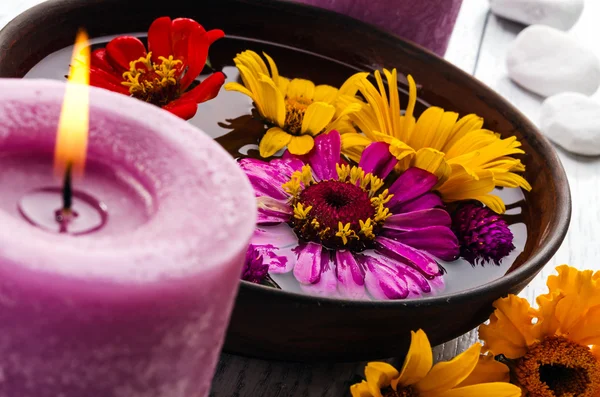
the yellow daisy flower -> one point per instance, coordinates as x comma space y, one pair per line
460, 377
468, 160
554, 349
297, 109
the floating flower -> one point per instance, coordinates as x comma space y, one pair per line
482, 234
297, 110
459, 377
177, 53
557, 355
468, 160
343, 230
255, 269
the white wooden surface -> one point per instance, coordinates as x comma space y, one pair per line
478, 46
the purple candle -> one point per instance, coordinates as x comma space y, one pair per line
139, 305
426, 22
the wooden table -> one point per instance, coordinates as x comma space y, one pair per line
478, 46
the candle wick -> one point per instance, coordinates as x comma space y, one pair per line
67, 190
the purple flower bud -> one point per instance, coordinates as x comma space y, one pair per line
482, 234
255, 270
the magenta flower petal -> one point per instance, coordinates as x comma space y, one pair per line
271, 258
439, 241
255, 269
383, 281
413, 183
271, 211
325, 155
308, 264
426, 201
327, 284
418, 220
267, 178
412, 256
378, 160
417, 283
350, 275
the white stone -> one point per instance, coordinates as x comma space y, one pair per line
560, 14
547, 61
572, 120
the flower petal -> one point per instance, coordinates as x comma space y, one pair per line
487, 370
325, 156
181, 29
416, 220
418, 361
411, 184
274, 140
271, 257
360, 389
267, 178
438, 241
272, 211
214, 35
316, 117
282, 240
123, 49
383, 281
433, 161
300, 88
353, 145
404, 253
351, 277
98, 59
103, 79
300, 145
497, 389
325, 93
159, 38
426, 201
197, 53
327, 283
184, 110
308, 265
205, 91
510, 330
445, 375
377, 159
273, 103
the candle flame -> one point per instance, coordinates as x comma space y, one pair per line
73, 126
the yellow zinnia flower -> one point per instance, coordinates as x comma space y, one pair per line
463, 376
297, 109
554, 348
468, 160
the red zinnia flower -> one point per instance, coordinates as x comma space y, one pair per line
177, 52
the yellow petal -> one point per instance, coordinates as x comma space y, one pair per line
283, 85
445, 375
463, 185
403, 153
493, 202
487, 370
408, 121
444, 130
586, 331
316, 117
350, 86
596, 351
509, 179
274, 140
273, 101
547, 324
510, 330
496, 389
274, 70
386, 368
360, 390
256, 61
426, 128
376, 380
433, 161
418, 361
252, 84
233, 86
300, 88
300, 145
392, 80
353, 145
342, 122
325, 93
468, 123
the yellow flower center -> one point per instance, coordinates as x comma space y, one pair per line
156, 83
295, 108
404, 392
558, 367
344, 213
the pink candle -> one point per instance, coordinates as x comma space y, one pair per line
139, 305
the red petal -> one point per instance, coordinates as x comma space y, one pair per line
103, 79
197, 53
99, 60
185, 110
206, 90
181, 29
214, 35
159, 38
124, 49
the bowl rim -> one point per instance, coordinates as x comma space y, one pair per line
528, 269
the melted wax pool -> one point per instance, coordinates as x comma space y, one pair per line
228, 119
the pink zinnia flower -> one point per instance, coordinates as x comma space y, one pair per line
343, 231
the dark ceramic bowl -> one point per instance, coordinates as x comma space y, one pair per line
270, 323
